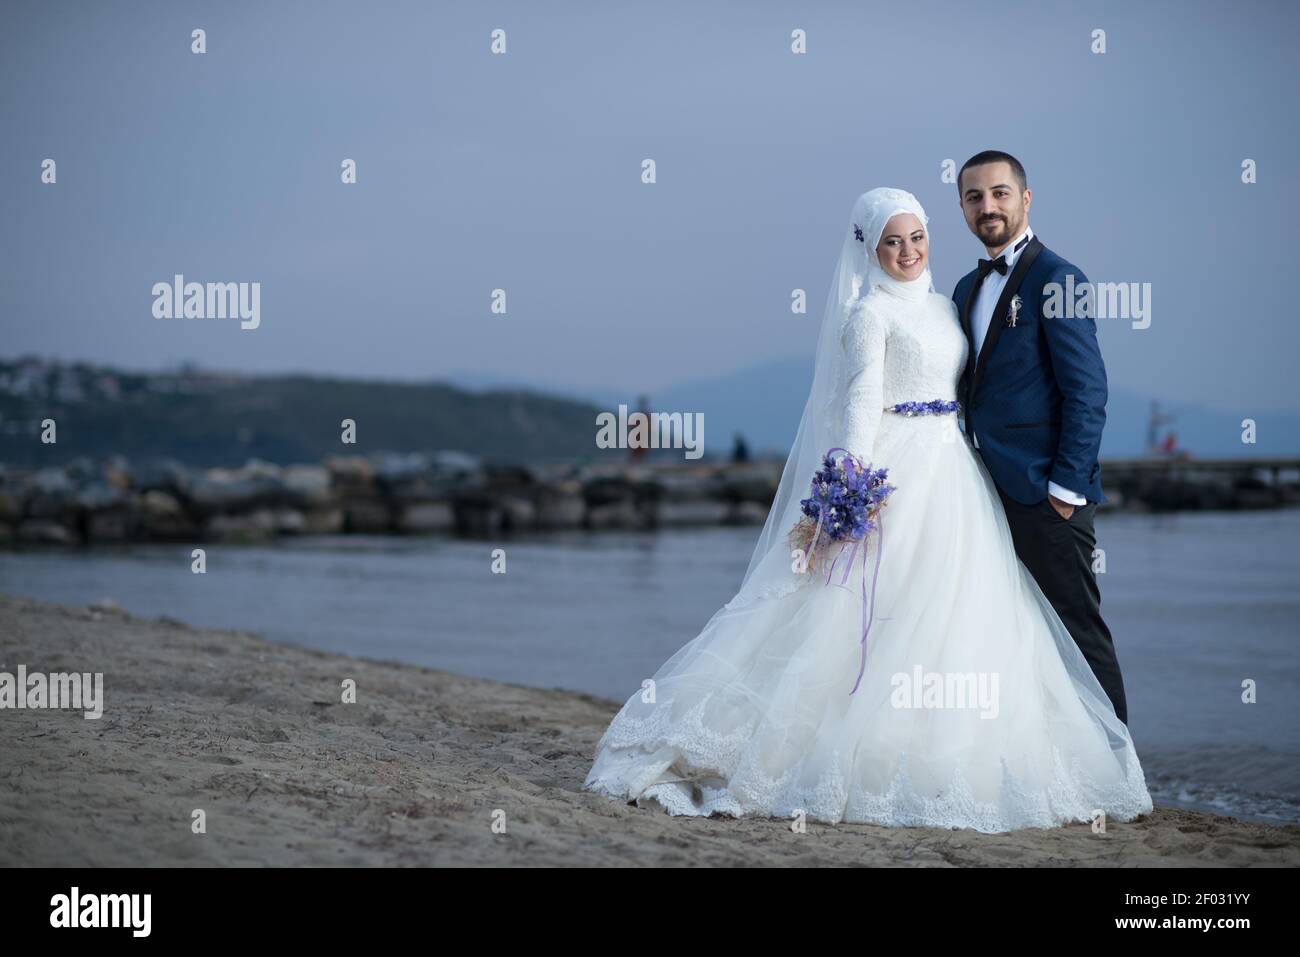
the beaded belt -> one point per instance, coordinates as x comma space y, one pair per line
933, 407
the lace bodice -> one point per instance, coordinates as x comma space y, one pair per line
894, 351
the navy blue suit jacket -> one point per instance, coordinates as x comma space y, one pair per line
1035, 396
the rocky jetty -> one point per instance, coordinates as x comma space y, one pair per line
450, 492
402, 493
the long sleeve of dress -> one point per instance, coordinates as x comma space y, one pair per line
862, 388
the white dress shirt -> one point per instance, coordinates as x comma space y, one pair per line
986, 300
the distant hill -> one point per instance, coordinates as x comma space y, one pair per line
205, 418
208, 418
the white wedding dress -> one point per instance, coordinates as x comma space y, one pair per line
754, 716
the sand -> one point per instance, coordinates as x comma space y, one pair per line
414, 773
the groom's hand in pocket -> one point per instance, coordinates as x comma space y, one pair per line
1063, 508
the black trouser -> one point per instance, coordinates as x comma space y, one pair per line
1058, 553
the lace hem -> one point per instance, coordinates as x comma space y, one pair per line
707, 773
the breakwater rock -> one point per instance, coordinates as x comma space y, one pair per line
454, 493
406, 493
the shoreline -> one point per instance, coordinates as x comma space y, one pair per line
255, 735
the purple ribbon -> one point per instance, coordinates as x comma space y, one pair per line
868, 606
869, 611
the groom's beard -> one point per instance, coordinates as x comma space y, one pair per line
996, 232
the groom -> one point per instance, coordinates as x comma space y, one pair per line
1034, 399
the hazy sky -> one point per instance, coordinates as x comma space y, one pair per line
522, 171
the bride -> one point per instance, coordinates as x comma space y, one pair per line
967, 704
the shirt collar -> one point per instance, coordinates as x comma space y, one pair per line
1027, 235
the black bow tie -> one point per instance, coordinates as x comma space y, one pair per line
988, 265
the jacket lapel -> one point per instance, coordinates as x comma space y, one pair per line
998, 320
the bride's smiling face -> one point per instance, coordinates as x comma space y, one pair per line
904, 247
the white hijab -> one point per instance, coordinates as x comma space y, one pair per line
871, 213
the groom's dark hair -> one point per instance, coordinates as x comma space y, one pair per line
995, 156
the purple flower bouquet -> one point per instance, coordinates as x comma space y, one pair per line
844, 508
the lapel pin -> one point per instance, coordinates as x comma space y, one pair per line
1013, 313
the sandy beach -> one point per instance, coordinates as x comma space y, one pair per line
415, 772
